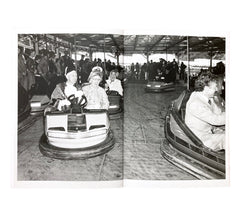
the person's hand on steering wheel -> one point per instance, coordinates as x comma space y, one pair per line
83, 101
63, 103
79, 95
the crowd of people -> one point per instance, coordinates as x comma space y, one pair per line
167, 69
61, 77
48, 69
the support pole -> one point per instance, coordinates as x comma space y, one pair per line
90, 54
177, 54
75, 53
188, 58
147, 66
117, 58
36, 45
166, 55
211, 55
55, 45
104, 55
45, 38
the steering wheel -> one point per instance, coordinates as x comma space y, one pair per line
112, 92
83, 98
73, 100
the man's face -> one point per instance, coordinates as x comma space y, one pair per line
212, 88
220, 85
72, 77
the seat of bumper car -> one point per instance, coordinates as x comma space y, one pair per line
183, 105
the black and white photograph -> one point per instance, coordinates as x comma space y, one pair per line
107, 107
119, 108
74, 104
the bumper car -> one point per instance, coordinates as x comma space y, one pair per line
38, 104
115, 104
124, 82
24, 108
40, 98
185, 150
76, 133
159, 84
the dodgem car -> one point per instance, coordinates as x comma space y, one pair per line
41, 92
38, 104
159, 84
115, 104
185, 150
40, 98
76, 133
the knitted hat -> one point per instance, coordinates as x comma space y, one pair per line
96, 71
69, 69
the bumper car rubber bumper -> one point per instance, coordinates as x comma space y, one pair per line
198, 161
115, 114
162, 88
80, 153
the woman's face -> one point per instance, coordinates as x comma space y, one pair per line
113, 76
95, 80
72, 77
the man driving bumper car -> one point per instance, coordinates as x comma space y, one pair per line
72, 132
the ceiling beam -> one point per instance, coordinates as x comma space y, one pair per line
115, 42
157, 42
192, 45
135, 42
63, 37
174, 44
91, 40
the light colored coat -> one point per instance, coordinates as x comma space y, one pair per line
201, 117
96, 97
115, 86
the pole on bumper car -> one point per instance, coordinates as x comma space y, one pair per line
75, 53
188, 71
147, 65
104, 54
211, 54
36, 44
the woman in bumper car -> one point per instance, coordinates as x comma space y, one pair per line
96, 95
114, 84
59, 97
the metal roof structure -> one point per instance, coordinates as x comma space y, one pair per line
140, 44
143, 44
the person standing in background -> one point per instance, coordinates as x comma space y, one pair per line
43, 68
31, 69
22, 69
